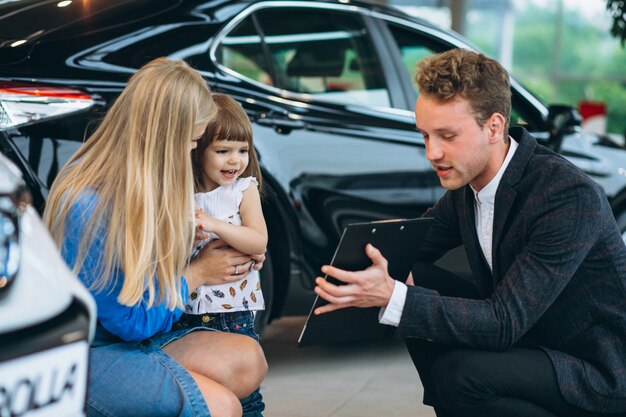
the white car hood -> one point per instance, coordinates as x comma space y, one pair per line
44, 286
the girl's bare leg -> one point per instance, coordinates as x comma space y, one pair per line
220, 401
233, 361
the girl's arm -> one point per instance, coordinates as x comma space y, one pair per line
251, 236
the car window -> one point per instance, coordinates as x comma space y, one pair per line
518, 118
414, 47
241, 50
329, 55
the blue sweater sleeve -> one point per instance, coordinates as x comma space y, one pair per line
130, 323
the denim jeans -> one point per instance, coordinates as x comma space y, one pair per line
241, 322
139, 379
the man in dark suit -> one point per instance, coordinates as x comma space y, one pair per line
540, 329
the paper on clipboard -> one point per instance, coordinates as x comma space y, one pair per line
399, 241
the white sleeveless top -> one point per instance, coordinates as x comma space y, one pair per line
223, 204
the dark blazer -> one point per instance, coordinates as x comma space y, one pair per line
558, 281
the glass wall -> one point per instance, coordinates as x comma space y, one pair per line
562, 50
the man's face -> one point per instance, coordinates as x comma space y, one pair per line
459, 149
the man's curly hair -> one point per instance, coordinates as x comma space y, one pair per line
471, 75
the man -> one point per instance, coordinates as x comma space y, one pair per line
541, 328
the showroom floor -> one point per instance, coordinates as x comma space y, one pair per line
351, 380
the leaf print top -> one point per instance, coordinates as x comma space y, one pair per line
244, 294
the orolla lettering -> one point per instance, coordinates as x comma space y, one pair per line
38, 391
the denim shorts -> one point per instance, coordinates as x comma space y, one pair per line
241, 322
138, 379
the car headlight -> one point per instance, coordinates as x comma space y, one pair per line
12, 205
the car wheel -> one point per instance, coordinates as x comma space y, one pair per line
262, 317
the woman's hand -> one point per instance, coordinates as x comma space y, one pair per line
218, 263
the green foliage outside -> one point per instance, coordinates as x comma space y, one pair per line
617, 8
590, 63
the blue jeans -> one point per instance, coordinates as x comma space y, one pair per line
241, 322
139, 379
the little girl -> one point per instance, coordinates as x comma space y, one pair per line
228, 207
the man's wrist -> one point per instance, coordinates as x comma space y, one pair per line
392, 313
390, 284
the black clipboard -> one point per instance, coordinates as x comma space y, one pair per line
399, 241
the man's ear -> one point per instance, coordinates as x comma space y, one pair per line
495, 125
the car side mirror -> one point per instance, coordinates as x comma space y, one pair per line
562, 119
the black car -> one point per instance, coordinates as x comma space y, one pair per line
327, 85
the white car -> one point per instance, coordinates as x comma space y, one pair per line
47, 317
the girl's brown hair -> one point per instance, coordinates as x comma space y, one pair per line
230, 123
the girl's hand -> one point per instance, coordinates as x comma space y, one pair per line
258, 261
200, 235
203, 221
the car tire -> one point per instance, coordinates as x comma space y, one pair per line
262, 317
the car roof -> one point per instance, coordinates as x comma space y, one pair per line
24, 23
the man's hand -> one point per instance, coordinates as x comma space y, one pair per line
371, 287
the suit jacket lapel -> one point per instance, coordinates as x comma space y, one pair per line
475, 256
506, 193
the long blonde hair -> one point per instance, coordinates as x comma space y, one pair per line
138, 164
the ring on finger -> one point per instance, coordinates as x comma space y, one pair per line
236, 269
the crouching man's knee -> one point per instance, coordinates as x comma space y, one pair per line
456, 378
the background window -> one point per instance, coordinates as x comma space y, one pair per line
413, 48
242, 51
328, 55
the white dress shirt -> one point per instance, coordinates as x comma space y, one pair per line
484, 203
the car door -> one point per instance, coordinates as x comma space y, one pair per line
332, 128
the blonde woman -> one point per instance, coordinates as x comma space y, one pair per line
122, 212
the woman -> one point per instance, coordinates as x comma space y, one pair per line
121, 210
